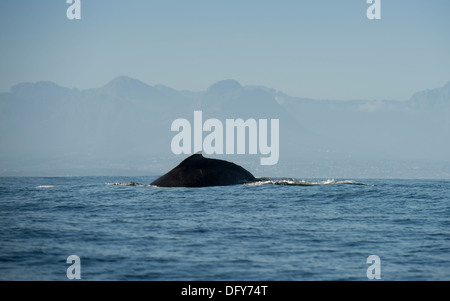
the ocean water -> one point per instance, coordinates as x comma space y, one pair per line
276, 229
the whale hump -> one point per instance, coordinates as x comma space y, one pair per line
198, 171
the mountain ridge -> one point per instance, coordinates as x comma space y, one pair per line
125, 125
125, 82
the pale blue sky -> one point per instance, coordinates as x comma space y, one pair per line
319, 49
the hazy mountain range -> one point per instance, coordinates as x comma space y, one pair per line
123, 128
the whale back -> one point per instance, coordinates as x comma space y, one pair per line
198, 171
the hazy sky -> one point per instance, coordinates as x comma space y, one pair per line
319, 49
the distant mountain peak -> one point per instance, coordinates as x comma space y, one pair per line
124, 86
438, 94
41, 88
36, 85
225, 86
125, 81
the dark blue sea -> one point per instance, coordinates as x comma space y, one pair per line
279, 229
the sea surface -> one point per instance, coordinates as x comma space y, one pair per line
276, 229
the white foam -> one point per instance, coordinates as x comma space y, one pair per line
296, 182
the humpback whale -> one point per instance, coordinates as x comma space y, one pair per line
198, 171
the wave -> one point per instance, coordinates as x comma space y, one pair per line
130, 184
297, 182
270, 181
45, 186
